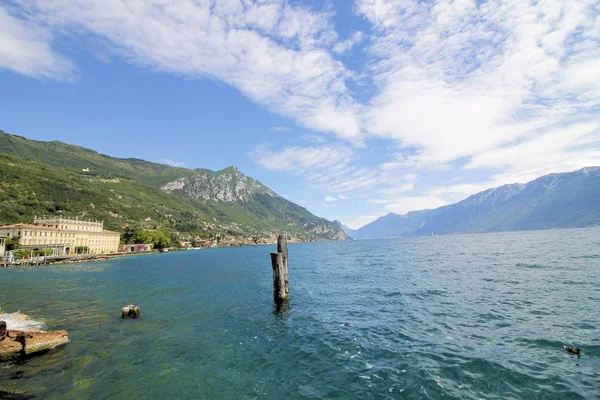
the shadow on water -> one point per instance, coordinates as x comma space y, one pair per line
282, 309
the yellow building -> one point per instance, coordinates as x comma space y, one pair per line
64, 236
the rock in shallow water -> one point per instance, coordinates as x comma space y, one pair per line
131, 311
21, 343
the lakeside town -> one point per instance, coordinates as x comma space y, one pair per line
60, 240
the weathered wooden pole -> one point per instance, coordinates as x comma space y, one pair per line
279, 294
282, 248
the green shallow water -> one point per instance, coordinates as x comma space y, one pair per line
465, 316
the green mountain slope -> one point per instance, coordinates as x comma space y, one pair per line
49, 178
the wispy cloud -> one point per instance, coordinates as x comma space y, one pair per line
407, 187
458, 78
329, 199
361, 221
275, 53
346, 45
280, 129
329, 168
25, 48
172, 163
302, 159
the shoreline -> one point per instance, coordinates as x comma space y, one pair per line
80, 258
57, 260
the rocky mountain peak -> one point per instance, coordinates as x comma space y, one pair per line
228, 185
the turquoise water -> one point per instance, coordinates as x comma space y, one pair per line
465, 316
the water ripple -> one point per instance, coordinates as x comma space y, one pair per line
465, 317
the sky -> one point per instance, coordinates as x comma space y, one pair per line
350, 108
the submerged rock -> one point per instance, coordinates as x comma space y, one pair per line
574, 350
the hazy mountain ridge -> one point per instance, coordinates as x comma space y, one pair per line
564, 200
57, 178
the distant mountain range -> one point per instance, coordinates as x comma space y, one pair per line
565, 200
55, 178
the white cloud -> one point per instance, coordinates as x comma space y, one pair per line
310, 138
556, 146
342, 197
406, 204
346, 45
172, 163
329, 199
407, 187
24, 48
275, 53
411, 177
361, 221
459, 78
300, 159
379, 201
329, 168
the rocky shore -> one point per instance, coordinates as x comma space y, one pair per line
19, 343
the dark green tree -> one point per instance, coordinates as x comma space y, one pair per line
12, 243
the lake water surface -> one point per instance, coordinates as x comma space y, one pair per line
464, 316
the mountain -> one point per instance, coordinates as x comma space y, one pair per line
565, 200
49, 178
391, 225
347, 230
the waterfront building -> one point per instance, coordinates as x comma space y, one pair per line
64, 236
2, 245
135, 248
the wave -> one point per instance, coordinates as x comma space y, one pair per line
526, 265
20, 321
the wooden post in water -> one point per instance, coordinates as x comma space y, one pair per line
282, 248
278, 278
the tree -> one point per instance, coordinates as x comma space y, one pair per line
174, 239
158, 239
12, 243
127, 236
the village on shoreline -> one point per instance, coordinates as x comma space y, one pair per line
59, 240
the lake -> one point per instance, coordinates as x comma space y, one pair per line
461, 316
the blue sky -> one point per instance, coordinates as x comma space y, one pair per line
351, 108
